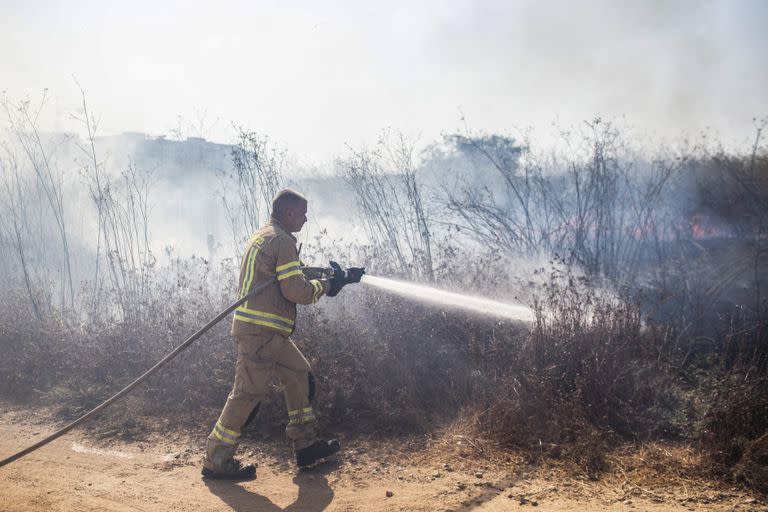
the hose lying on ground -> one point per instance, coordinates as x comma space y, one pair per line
127, 389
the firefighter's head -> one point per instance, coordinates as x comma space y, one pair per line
290, 209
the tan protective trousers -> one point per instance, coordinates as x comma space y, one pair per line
259, 359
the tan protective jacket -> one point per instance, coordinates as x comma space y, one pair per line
272, 252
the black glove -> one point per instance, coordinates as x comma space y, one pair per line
354, 274
338, 280
343, 277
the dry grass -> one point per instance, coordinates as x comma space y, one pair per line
588, 378
592, 375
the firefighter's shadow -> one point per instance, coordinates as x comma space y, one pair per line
314, 493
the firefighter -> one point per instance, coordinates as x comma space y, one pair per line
261, 328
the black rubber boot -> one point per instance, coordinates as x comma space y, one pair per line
316, 451
232, 470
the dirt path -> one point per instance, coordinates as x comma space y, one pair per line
75, 474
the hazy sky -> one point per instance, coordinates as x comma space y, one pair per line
318, 75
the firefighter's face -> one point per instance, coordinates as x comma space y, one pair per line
295, 217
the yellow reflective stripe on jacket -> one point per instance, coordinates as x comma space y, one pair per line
249, 271
318, 286
252, 316
265, 314
296, 272
288, 265
292, 268
265, 323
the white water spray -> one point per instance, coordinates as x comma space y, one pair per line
456, 300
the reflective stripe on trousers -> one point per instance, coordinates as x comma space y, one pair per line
301, 416
224, 434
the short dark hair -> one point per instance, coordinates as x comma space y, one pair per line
286, 198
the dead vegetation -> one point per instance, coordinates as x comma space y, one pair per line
633, 342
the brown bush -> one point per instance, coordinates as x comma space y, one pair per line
735, 418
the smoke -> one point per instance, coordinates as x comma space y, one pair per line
186, 215
346, 70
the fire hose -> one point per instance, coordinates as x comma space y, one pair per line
127, 389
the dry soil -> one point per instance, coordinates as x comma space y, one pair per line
78, 473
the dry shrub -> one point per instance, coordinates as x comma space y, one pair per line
75, 366
385, 363
588, 373
732, 433
753, 466
732, 396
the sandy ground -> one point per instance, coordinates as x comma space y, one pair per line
75, 473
